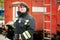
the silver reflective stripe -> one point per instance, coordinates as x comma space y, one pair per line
28, 34
20, 20
25, 35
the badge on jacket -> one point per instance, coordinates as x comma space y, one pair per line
20, 20
26, 22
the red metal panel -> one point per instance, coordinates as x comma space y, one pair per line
38, 15
47, 17
38, 3
51, 9
58, 13
39, 21
8, 11
58, 16
47, 1
48, 8
54, 8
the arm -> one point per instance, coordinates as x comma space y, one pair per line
27, 34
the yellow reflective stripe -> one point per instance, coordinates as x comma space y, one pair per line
25, 23
28, 34
27, 20
25, 35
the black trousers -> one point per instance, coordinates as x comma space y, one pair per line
16, 37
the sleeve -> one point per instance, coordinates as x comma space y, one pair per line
27, 34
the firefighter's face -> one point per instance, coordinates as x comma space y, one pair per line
22, 9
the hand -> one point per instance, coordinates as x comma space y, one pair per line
20, 38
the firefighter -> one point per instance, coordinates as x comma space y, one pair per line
25, 24
9, 30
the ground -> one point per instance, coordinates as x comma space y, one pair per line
3, 37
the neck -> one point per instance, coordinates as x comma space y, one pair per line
22, 14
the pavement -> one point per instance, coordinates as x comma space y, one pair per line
2, 37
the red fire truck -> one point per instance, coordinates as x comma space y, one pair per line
45, 12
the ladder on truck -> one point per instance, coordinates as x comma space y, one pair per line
45, 30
